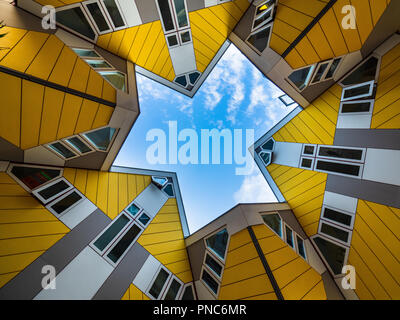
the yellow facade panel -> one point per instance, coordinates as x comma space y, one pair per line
245, 289
126, 42
13, 36
63, 68
249, 269
300, 286
94, 84
69, 115
147, 48
115, 41
103, 116
86, 116
240, 255
364, 25
80, 75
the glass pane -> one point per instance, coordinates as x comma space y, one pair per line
356, 107
269, 145
101, 139
274, 222
86, 53
301, 77
79, 145
53, 190
265, 17
333, 68
218, 243
309, 150
124, 243
352, 154
181, 80
75, 20
193, 77
335, 232
364, 73
181, 13
169, 190
289, 237
144, 219
173, 290
114, 13
98, 17
62, 150
133, 209
306, 163
166, 16
359, 91
300, 245
66, 202
188, 293
172, 40
214, 265
259, 40
266, 157
98, 64
332, 253
185, 37
117, 79
349, 169
337, 216
111, 232
212, 284
34, 177
320, 72
159, 283
159, 181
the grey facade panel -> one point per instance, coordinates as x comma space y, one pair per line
196, 256
331, 289
377, 192
290, 219
93, 161
243, 28
147, 10
368, 138
120, 279
194, 5
10, 152
312, 92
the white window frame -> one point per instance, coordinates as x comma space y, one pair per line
337, 68
163, 190
87, 57
270, 158
370, 101
340, 162
352, 215
328, 63
66, 142
180, 37
350, 232
140, 223
172, 11
309, 145
88, 19
177, 40
282, 223
152, 282
174, 16
59, 215
285, 236
364, 151
111, 68
227, 244
173, 277
45, 201
271, 8
266, 26
204, 269
82, 135
48, 147
378, 69
184, 289
297, 247
130, 214
212, 255
109, 16
346, 257
103, 71
312, 163
308, 79
85, 4
371, 85
12, 165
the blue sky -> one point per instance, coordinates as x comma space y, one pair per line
234, 96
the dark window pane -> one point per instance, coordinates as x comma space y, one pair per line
53, 190
349, 169
158, 284
300, 245
114, 13
166, 16
144, 219
173, 290
218, 243
259, 40
362, 90
62, 150
181, 80
193, 77
309, 150
335, 232
34, 177
124, 243
333, 68
332, 253
98, 17
172, 40
181, 13
356, 107
266, 156
306, 163
169, 190
133, 209
111, 232
185, 37
188, 293
212, 284
289, 237
352, 154
300, 77
66, 202
214, 265
101, 139
320, 72
337, 216
274, 222
86, 53
75, 20
79, 145
265, 17
269, 145
364, 73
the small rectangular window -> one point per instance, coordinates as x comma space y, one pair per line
289, 236
32, 177
52, 190
98, 64
300, 247
338, 217
332, 68
185, 37
187, 293
306, 163
309, 150
126, 241
181, 15
263, 15
172, 40
144, 219
333, 254
358, 91
78, 145
166, 15
86, 53
213, 265
114, 13
259, 39
335, 232
353, 170
356, 107
159, 283
320, 72
210, 282
218, 243
351, 154
62, 205
62, 151
75, 20
98, 17
173, 290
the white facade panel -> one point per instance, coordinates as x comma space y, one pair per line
130, 12
382, 166
287, 154
339, 201
183, 59
146, 273
78, 213
151, 199
354, 121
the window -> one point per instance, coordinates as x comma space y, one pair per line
259, 39
287, 101
98, 64
274, 221
166, 15
322, 67
340, 168
187, 293
366, 72
31, 176
218, 243
101, 138
172, 41
358, 91
335, 255
269, 145
62, 151
159, 283
193, 77
300, 78
133, 209
289, 236
75, 20
52, 190
169, 190
356, 107
266, 158
78, 145
98, 17
264, 14
86, 53
213, 265
307, 163
144, 219
352, 154
115, 78
173, 289
332, 68
121, 247
300, 247
159, 181
185, 37
335, 232
61, 205
181, 80
181, 15
334, 215
210, 282
114, 13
